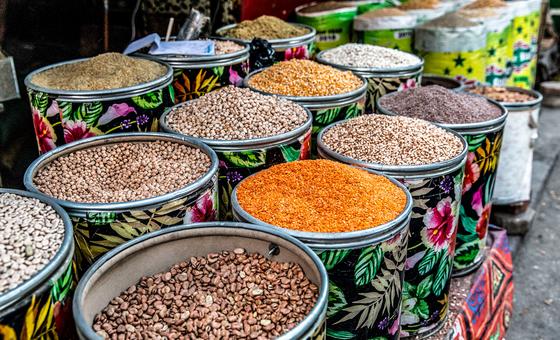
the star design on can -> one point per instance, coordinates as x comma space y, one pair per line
459, 61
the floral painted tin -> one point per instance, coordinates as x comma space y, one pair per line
436, 196
125, 265
241, 158
302, 47
194, 76
61, 116
100, 227
366, 272
326, 109
383, 81
41, 307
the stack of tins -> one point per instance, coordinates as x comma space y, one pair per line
194, 76
41, 305
430, 164
149, 255
360, 237
240, 157
62, 115
484, 136
100, 226
525, 39
329, 94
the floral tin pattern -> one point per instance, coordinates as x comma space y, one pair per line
365, 287
98, 232
234, 166
58, 122
300, 52
431, 245
47, 314
380, 86
478, 187
191, 83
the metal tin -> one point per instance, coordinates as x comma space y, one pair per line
290, 48
366, 271
447, 82
49, 292
125, 265
485, 141
325, 109
62, 116
383, 80
241, 158
194, 76
99, 227
436, 193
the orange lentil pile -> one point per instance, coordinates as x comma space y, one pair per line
320, 196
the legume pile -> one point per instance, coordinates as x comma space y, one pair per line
324, 6
103, 72
384, 12
226, 47
30, 236
440, 105
369, 56
265, 27
420, 4
227, 295
501, 94
392, 140
320, 196
486, 4
450, 20
304, 78
233, 113
122, 172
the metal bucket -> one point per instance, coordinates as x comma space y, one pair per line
513, 179
485, 141
41, 306
383, 81
100, 227
194, 76
241, 158
157, 252
301, 47
366, 272
61, 116
435, 189
447, 82
326, 109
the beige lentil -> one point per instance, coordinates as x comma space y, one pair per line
226, 47
502, 94
419, 4
103, 72
304, 78
233, 113
392, 140
227, 295
31, 233
122, 172
265, 27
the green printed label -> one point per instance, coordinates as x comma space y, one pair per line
468, 66
497, 57
525, 45
400, 39
333, 29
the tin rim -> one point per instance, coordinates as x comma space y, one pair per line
356, 93
315, 315
227, 145
372, 70
464, 128
279, 43
459, 86
93, 94
395, 170
338, 240
48, 157
516, 106
12, 296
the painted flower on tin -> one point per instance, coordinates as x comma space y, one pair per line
408, 84
305, 147
202, 211
483, 213
76, 130
114, 111
296, 53
440, 224
472, 172
44, 131
234, 77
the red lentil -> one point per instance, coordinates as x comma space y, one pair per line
320, 196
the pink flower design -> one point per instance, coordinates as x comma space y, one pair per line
483, 213
440, 224
76, 130
44, 131
472, 172
53, 109
234, 77
296, 53
396, 326
202, 211
409, 84
114, 111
